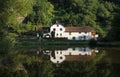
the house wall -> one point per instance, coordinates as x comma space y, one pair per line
60, 33
77, 35
58, 29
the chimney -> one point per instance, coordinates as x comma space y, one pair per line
57, 22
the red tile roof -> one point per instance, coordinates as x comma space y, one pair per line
79, 29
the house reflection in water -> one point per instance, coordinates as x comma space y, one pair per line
71, 54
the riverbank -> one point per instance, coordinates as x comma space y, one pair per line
53, 43
116, 44
67, 43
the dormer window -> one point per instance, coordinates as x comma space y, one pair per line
57, 25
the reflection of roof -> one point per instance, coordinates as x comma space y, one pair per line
79, 29
80, 57
72, 55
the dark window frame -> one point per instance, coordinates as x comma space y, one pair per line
54, 29
60, 34
61, 29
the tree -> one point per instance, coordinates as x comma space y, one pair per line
113, 34
42, 13
40, 69
96, 13
11, 12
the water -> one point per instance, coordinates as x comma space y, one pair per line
78, 61
70, 54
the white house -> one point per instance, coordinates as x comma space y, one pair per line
73, 33
72, 54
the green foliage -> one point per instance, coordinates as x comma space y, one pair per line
7, 44
20, 73
26, 59
96, 13
83, 69
5, 72
15, 11
12, 13
22, 28
100, 14
42, 13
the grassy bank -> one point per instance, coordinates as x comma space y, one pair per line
117, 43
28, 43
66, 43
52, 42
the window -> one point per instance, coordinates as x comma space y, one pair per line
54, 29
57, 61
60, 29
61, 58
84, 37
57, 34
54, 57
61, 34
73, 38
57, 25
60, 52
69, 33
79, 32
85, 32
73, 49
80, 37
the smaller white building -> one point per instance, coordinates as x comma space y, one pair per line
73, 33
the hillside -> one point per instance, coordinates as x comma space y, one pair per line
102, 15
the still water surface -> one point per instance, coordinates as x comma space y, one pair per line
80, 61
70, 54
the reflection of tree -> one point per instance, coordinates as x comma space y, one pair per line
40, 69
25, 65
11, 67
99, 57
20, 65
93, 68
